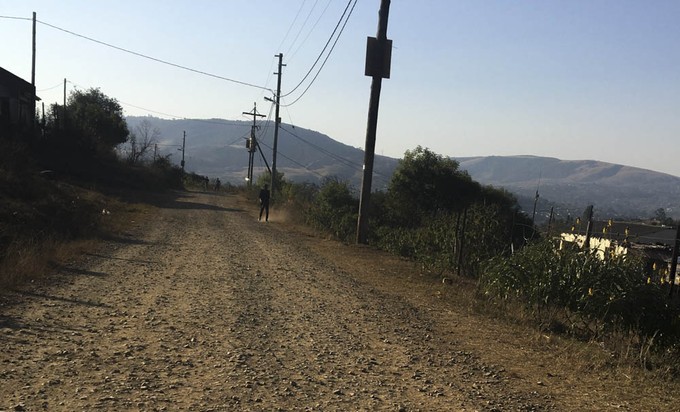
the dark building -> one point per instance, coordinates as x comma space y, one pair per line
17, 104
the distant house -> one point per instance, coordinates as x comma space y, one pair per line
653, 243
16, 104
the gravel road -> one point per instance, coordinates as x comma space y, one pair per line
200, 307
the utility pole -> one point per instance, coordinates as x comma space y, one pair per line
184, 141
378, 57
533, 214
251, 144
35, 97
33, 54
63, 109
277, 121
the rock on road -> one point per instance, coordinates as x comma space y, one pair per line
202, 308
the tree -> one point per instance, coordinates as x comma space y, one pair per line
95, 120
265, 179
141, 141
661, 217
426, 184
335, 208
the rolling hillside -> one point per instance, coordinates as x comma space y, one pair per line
216, 148
617, 191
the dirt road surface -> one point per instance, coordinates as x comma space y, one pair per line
200, 307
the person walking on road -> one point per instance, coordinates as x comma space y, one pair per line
264, 203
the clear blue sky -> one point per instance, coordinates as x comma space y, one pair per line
595, 79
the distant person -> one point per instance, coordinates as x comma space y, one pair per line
217, 184
264, 203
206, 182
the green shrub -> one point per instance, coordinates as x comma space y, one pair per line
334, 208
598, 296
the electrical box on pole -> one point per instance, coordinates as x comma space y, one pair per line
378, 58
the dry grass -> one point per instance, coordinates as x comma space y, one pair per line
30, 256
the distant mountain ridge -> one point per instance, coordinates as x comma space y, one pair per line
216, 148
617, 191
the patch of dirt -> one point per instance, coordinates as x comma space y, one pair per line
199, 306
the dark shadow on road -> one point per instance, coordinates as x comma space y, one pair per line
171, 199
124, 240
10, 323
75, 271
61, 299
95, 255
199, 206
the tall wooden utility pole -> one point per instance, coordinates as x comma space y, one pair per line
533, 214
33, 54
251, 145
35, 97
378, 57
277, 121
184, 141
63, 109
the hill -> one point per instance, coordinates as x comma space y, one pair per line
617, 191
216, 148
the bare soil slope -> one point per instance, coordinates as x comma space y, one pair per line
201, 307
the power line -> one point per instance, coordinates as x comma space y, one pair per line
154, 58
243, 136
326, 59
225, 123
334, 156
304, 23
346, 162
324, 48
53, 87
295, 161
292, 24
267, 122
16, 18
310, 31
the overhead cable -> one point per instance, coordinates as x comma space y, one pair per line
283, 40
330, 38
290, 57
326, 59
16, 18
295, 161
179, 66
304, 23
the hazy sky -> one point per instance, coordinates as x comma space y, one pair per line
570, 79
